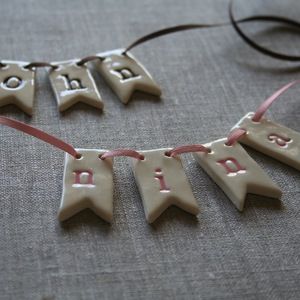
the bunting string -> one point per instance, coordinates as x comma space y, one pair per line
73, 82
88, 173
39, 134
258, 47
232, 138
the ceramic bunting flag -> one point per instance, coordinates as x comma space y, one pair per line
125, 75
72, 84
17, 85
236, 172
88, 183
272, 139
162, 182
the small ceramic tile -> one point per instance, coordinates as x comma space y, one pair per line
88, 183
17, 85
72, 84
125, 75
272, 139
236, 172
162, 182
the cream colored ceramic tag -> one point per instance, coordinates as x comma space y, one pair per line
272, 139
17, 85
236, 172
125, 74
162, 182
88, 183
72, 84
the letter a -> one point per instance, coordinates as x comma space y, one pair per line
272, 139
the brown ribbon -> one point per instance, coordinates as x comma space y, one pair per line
234, 23
255, 45
169, 30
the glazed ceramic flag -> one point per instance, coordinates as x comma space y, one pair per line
236, 172
125, 75
72, 84
162, 182
272, 139
88, 183
17, 85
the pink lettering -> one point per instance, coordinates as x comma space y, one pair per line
280, 140
83, 178
160, 177
232, 166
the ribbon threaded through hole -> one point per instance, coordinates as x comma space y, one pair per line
187, 149
234, 136
122, 152
269, 101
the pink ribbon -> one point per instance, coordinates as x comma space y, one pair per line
123, 152
39, 134
268, 102
234, 136
187, 149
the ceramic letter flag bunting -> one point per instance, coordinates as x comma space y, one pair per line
272, 139
17, 85
236, 172
125, 75
162, 182
88, 183
73, 83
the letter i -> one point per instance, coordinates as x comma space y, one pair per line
159, 176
